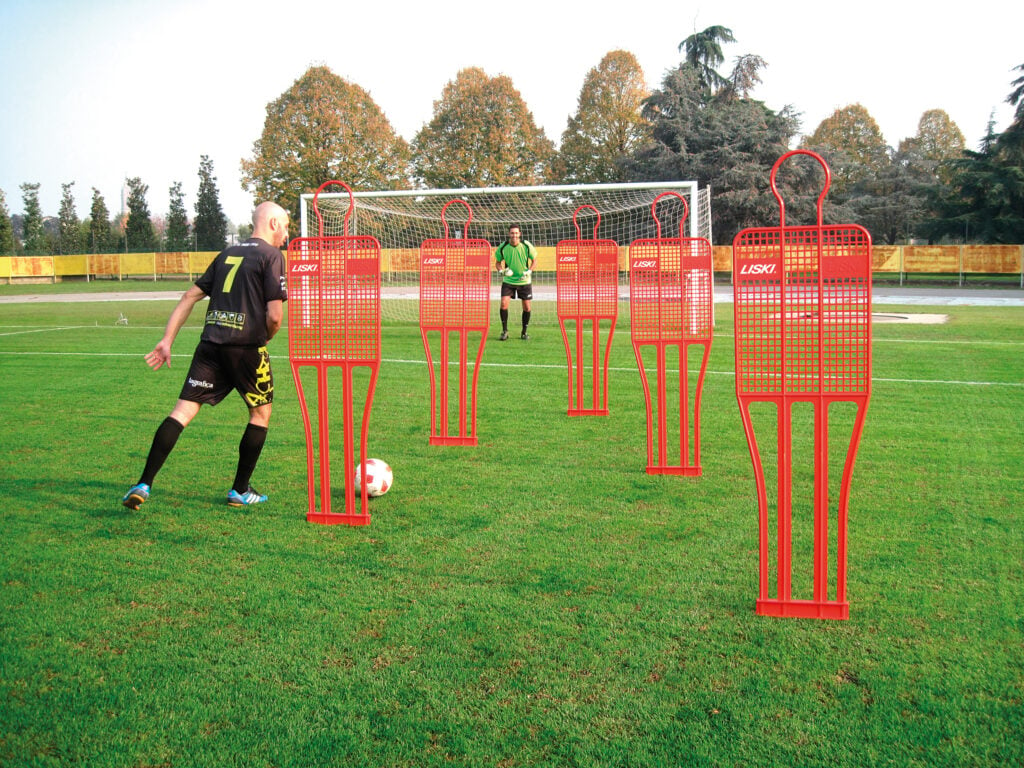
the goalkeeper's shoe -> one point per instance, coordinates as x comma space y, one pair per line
236, 499
136, 495
524, 336
504, 336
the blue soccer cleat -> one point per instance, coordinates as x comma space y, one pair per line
236, 499
136, 495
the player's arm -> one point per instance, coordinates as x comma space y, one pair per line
275, 314
499, 262
162, 351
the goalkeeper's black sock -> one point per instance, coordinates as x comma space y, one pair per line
526, 319
249, 449
166, 436
504, 319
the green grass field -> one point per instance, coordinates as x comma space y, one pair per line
536, 600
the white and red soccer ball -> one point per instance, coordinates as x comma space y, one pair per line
379, 477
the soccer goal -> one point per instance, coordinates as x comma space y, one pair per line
402, 220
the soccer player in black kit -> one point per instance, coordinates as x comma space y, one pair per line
247, 290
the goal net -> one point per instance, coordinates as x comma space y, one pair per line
402, 220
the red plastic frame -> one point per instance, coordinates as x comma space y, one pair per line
334, 322
802, 304
455, 282
587, 276
671, 304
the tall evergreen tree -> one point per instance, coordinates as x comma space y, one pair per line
6, 227
1011, 141
210, 224
139, 228
33, 236
702, 52
984, 201
725, 141
70, 238
101, 239
177, 221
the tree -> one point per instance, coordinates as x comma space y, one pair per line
6, 227
1011, 141
608, 125
33, 236
891, 203
852, 144
177, 221
321, 129
70, 238
728, 142
746, 75
702, 51
210, 224
936, 145
138, 230
481, 135
100, 236
984, 201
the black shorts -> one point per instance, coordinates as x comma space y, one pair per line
218, 368
524, 292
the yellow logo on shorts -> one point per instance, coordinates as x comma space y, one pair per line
264, 381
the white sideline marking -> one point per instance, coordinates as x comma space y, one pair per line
47, 330
545, 366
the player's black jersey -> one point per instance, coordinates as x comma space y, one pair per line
240, 282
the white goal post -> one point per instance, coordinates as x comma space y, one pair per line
402, 220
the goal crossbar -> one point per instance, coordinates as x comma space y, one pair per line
401, 220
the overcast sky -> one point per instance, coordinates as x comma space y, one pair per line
95, 91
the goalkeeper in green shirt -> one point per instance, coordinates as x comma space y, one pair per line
514, 259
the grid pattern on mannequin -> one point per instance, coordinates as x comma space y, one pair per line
670, 290
455, 279
802, 311
587, 278
303, 301
334, 307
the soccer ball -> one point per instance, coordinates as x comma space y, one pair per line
378, 477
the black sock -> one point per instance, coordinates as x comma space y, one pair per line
166, 436
526, 319
504, 319
249, 449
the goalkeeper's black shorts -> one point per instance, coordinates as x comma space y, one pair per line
524, 292
217, 369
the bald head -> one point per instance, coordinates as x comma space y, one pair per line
270, 223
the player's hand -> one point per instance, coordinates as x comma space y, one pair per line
160, 355
507, 272
527, 273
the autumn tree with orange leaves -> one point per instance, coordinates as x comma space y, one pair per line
321, 129
482, 134
608, 126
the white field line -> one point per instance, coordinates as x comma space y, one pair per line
941, 382
536, 366
284, 333
43, 330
